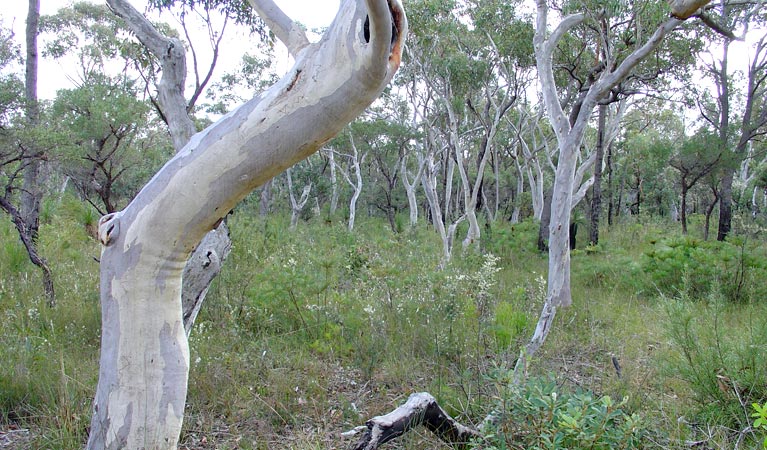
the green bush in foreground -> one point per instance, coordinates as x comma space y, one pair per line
718, 350
542, 415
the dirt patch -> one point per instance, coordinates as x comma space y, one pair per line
15, 438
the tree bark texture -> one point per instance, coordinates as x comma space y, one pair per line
144, 366
32, 191
174, 110
596, 198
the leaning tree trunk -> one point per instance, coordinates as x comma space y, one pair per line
206, 260
144, 366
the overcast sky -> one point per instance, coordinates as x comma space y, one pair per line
311, 13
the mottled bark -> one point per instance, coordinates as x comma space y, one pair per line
144, 365
200, 270
174, 110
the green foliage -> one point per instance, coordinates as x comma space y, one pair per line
718, 350
760, 419
731, 265
539, 414
97, 36
107, 145
509, 325
509, 241
50, 356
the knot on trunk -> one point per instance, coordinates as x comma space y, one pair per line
109, 228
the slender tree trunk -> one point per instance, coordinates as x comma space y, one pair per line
543, 227
430, 191
709, 211
609, 167
296, 206
596, 200
410, 188
684, 207
32, 191
725, 206
265, 199
333, 182
357, 183
31, 248
725, 191
27, 217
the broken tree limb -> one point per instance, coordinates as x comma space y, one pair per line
420, 409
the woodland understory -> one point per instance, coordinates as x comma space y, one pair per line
549, 217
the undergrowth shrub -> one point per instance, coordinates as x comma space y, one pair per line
735, 266
509, 241
539, 414
718, 349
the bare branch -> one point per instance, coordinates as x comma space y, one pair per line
286, 30
716, 26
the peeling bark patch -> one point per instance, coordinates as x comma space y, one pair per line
173, 396
294, 80
121, 440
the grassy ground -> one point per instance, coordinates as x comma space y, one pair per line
309, 333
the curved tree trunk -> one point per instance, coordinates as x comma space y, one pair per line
144, 366
173, 107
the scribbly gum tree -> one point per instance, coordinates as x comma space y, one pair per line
603, 83
144, 364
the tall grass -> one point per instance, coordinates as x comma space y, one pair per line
310, 332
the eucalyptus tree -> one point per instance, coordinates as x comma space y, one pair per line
297, 205
21, 145
144, 364
32, 193
103, 125
735, 133
166, 67
473, 73
385, 134
694, 158
640, 161
570, 129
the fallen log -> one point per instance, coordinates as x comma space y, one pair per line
420, 409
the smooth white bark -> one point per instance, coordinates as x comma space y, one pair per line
410, 187
144, 366
296, 206
333, 182
569, 140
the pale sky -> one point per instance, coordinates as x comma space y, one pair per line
312, 13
